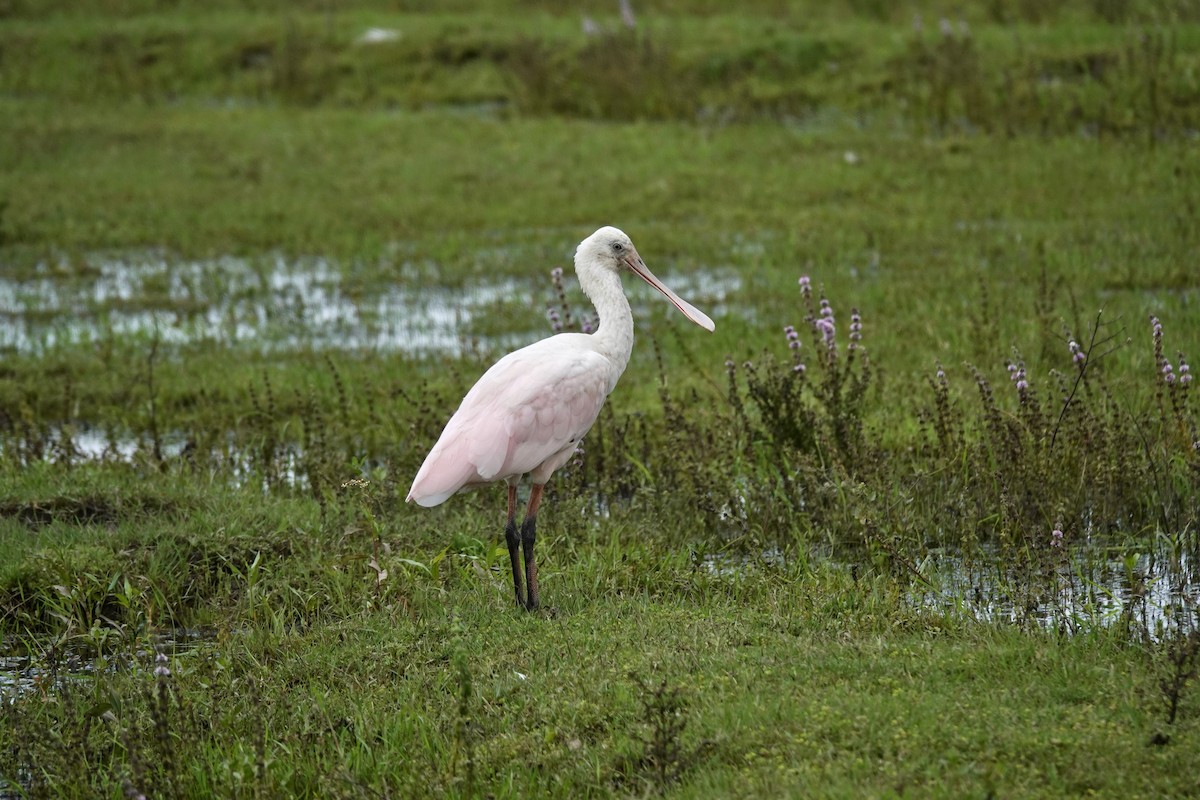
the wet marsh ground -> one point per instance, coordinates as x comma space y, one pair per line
938, 540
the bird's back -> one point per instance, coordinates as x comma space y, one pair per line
527, 410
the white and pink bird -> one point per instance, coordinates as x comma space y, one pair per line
530, 410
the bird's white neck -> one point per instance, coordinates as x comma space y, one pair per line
614, 334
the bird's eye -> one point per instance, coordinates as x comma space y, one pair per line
618, 246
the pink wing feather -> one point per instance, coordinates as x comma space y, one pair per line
529, 410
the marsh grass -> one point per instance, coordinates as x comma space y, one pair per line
1126, 80
773, 686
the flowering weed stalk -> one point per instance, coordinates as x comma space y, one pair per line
812, 405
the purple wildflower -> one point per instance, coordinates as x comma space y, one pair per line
1016, 374
555, 322
1077, 354
161, 667
1056, 537
828, 331
793, 340
799, 367
855, 326
1185, 372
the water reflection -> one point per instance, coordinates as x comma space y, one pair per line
1145, 588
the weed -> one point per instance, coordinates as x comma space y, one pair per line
1180, 652
665, 757
1175, 657
462, 754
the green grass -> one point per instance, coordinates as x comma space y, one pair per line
743, 568
790, 680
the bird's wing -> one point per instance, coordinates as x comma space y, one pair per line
554, 415
529, 406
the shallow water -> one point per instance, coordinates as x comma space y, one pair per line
238, 465
280, 304
23, 674
1148, 590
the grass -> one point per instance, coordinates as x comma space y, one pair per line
789, 681
885, 575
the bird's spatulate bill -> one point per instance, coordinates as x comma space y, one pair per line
690, 311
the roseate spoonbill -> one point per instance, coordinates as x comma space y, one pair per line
530, 410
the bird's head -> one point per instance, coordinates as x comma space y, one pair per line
610, 250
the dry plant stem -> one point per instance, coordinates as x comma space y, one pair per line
1093, 343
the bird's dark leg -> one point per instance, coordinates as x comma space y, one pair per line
528, 535
513, 539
